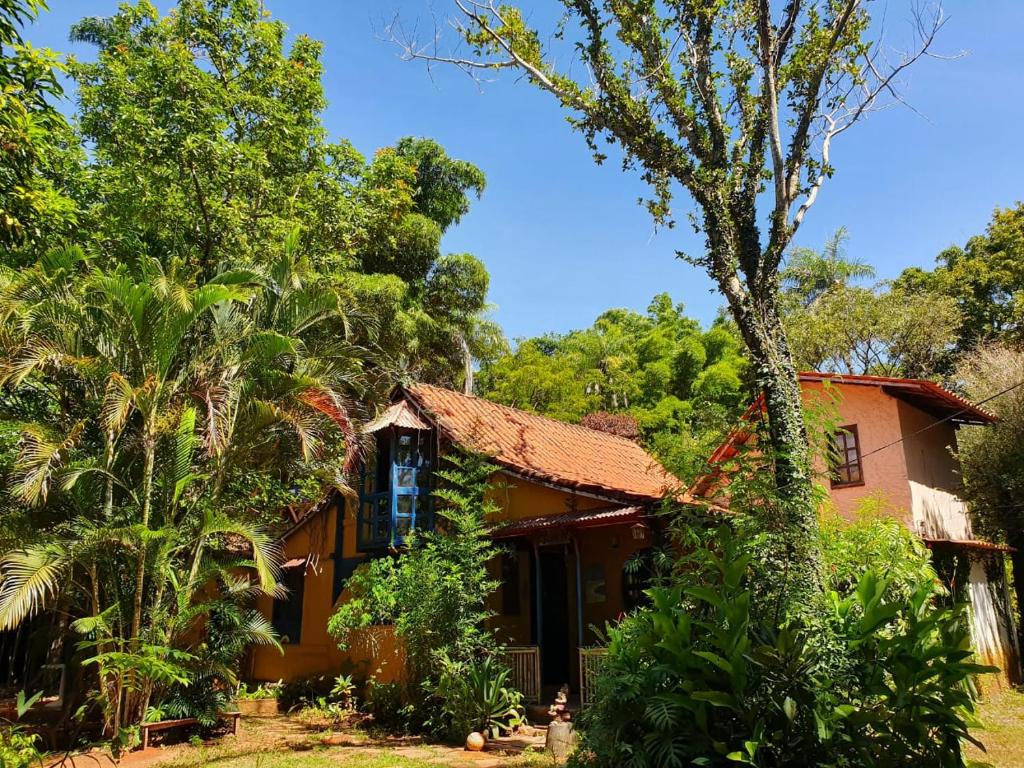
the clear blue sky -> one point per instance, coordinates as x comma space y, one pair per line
564, 239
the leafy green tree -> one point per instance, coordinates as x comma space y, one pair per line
35, 139
206, 140
992, 457
808, 274
681, 385
704, 676
985, 278
207, 147
434, 592
737, 104
884, 330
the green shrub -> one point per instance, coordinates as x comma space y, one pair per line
260, 692
18, 748
344, 692
700, 678
915, 694
434, 593
475, 696
304, 692
384, 702
877, 536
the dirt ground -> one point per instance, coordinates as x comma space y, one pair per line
282, 741
288, 742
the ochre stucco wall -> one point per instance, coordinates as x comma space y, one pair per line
317, 652
519, 498
375, 653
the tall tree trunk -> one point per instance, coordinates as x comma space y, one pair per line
792, 520
467, 365
140, 570
132, 711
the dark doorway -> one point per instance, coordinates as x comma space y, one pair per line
554, 635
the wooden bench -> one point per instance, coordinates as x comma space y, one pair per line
163, 725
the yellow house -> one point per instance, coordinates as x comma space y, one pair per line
576, 505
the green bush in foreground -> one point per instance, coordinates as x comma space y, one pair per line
476, 696
697, 680
434, 593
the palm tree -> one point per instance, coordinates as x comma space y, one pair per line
158, 395
809, 274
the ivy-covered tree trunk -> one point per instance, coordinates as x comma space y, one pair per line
737, 104
791, 520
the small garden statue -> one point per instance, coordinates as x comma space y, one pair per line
559, 710
561, 738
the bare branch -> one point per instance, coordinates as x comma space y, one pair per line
880, 84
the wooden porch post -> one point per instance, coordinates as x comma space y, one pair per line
579, 593
537, 593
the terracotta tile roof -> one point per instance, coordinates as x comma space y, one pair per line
925, 394
540, 448
587, 518
980, 544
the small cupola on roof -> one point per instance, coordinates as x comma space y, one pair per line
395, 484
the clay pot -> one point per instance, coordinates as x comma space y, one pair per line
475, 742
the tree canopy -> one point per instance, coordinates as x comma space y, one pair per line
985, 278
835, 323
737, 105
682, 385
207, 150
36, 142
194, 354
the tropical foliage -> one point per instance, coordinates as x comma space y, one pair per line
218, 176
706, 677
191, 312
36, 143
435, 594
984, 277
683, 385
148, 402
476, 696
992, 456
836, 324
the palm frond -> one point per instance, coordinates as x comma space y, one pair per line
266, 553
118, 399
185, 441
39, 457
28, 578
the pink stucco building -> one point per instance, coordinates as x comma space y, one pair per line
897, 444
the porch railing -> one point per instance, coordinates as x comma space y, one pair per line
525, 663
591, 661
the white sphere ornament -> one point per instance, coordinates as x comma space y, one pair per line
475, 742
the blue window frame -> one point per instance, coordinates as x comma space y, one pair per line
395, 492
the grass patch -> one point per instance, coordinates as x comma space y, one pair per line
1002, 715
271, 742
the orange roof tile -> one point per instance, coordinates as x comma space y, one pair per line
540, 448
